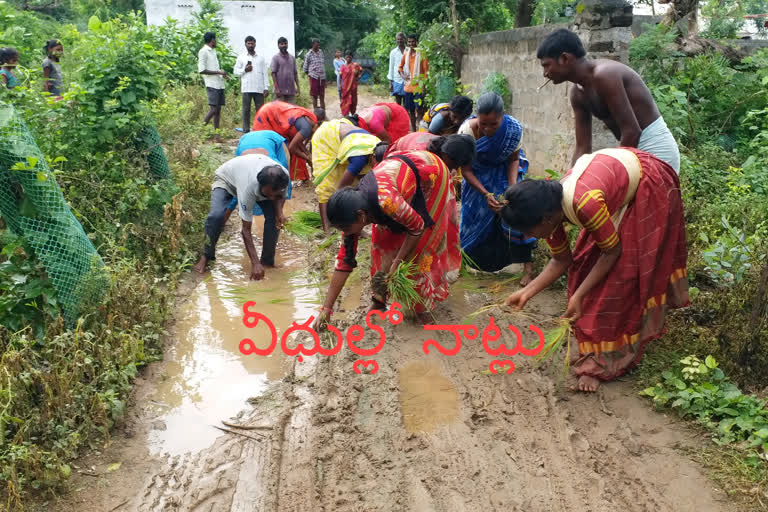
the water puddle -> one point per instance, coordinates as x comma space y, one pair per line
427, 399
207, 379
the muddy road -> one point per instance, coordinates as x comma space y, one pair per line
426, 432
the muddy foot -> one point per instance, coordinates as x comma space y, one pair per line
587, 384
200, 265
425, 318
376, 306
526, 280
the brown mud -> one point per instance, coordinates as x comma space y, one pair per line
426, 432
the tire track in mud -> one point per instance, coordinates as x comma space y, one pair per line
518, 442
515, 446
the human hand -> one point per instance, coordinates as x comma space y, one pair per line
280, 221
248, 68
493, 204
277, 91
257, 271
322, 319
393, 267
517, 300
573, 311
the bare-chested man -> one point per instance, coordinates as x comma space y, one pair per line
611, 92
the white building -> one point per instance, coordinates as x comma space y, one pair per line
266, 21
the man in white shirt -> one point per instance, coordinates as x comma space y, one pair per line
396, 83
254, 84
214, 78
253, 179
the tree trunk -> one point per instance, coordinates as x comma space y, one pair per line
524, 13
683, 12
402, 17
455, 20
756, 319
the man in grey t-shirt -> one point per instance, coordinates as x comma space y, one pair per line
253, 179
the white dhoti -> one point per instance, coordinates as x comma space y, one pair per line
657, 140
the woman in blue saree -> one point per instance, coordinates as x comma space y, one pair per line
485, 238
265, 142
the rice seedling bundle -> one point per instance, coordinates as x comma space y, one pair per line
480, 311
500, 285
554, 340
400, 286
466, 264
332, 238
304, 224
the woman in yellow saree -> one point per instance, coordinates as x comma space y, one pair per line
341, 155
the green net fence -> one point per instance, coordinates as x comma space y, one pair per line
149, 141
727, 142
33, 206
445, 87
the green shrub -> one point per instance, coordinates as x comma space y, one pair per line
700, 390
497, 82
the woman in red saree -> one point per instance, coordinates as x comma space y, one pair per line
421, 141
388, 121
296, 124
412, 141
350, 76
409, 199
628, 265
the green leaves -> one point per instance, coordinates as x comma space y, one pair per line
701, 390
27, 297
94, 24
732, 253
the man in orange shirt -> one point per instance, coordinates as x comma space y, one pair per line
414, 68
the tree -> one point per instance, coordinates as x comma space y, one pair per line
486, 16
680, 11
524, 14
650, 3
342, 21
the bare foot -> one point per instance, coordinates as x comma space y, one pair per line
200, 265
376, 306
425, 318
587, 384
526, 280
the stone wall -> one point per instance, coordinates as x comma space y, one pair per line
546, 115
640, 22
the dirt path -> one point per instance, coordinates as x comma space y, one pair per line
427, 432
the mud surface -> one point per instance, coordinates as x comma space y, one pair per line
426, 432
